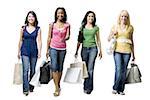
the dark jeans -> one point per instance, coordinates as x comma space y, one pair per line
29, 64
89, 55
57, 59
121, 63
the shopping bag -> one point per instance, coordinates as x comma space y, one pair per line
45, 73
111, 46
73, 75
133, 74
18, 77
83, 67
35, 79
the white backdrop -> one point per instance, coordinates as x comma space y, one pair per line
13, 13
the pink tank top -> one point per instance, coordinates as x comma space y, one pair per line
58, 37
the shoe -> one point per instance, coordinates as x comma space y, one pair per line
87, 92
121, 93
114, 92
56, 93
26, 93
31, 90
31, 87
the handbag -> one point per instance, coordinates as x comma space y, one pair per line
111, 46
133, 74
17, 79
45, 73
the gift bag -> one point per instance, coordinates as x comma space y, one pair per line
133, 74
73, 75
45, 73
83, 67
17, 79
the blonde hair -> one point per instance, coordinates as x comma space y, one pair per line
128, 19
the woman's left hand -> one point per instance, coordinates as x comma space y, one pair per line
100, 55
39, 56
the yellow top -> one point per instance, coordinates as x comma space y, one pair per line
124, 43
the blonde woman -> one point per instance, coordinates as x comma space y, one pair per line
123, 32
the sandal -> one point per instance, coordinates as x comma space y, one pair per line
56, 93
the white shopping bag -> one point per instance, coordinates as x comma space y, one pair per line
73, 75
35, 79
111, 46
83, 67
17, 79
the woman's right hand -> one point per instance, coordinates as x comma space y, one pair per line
19, 56
47, 54
76, 54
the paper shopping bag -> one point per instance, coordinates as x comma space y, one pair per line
18, 78
133, 74
35, 79
83, 67
73, 75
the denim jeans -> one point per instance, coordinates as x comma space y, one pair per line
89, 55
121, 63
29, 64
57, 59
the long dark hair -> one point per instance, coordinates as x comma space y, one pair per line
36, 21
65, 14
84, 21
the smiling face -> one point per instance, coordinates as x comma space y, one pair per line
31, 19
90, 18
60, 14
124, 17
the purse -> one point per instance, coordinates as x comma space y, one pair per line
133, 74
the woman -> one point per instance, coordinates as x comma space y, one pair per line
90, 39
123, 32
29, 49
59, 32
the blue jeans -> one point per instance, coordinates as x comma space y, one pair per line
57, 59
29, 64
89, 55
121, 63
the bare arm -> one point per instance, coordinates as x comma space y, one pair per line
68, 33
48, 40
78, 46
20, 42
113, 32
132, 48
99, 44
39, 41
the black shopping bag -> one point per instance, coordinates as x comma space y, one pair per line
45, 73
